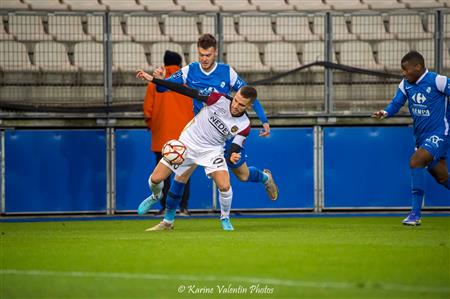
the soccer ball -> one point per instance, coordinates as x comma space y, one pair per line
174, 152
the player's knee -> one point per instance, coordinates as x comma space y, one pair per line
154, 179
225, 187
441, 179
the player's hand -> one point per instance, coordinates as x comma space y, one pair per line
265, 132
235, 157
144, 76
160, 73
380, 114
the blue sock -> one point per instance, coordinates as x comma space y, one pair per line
256, 175
417, 182
173, 199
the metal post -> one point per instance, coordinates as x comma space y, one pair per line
328, 48
438, 40
2, 171
218, 22
318, 168
107, 58
110, 171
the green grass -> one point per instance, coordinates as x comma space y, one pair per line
366, 257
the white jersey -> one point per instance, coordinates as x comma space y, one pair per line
213, 125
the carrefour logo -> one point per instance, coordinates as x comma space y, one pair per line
419, 98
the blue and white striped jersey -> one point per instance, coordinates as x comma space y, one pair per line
428, 104
222, 79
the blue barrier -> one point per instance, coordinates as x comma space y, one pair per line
55, 171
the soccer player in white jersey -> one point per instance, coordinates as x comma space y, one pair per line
208, 75
427, 94
222, 118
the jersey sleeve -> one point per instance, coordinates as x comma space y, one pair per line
236, 82
443, 84
177, 77
212, 98
398, 101
181, 89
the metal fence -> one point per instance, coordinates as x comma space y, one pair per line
81, 60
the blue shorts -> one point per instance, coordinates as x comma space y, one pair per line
240, 162
437, 146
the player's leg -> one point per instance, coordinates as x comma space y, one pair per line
222, 180
156, 184
166, 186
438, 168
185, 199
419, 160
174, 197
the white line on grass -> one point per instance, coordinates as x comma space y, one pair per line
238, 279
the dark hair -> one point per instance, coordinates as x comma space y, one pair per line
172, 58
249, 92
207, 41
413, 57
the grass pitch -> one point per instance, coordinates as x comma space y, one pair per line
356, 257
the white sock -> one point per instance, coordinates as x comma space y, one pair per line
156, 188
225, 198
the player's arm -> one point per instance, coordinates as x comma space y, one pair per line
233, 154
396, 104
236, 82
179, 88
443, 84
177, 77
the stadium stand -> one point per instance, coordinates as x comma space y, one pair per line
422, 3
426, 48
235, 5
122, 5
370, 28
384, 4
181, 28
257, 28
46, 5
295, 28
340, 28
52, 57
408, 27
157, 52
145, 29
310, 5
390, 54
129, 57
314, 51
160, 6
272, 5
13, 5
67, 28
4, 35
347, 4
229, 31
244, 57
358, 54
27, 28
14, 57
281, 56
84, 5
88, 56
197, 5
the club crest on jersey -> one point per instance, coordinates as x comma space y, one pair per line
222, 84
234, 129
434, 140
428, 89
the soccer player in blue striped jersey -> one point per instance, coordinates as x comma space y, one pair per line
427, 94
209, 76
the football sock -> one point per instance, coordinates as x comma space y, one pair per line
225, 198
417, 182
156, 188
256, 175
173, 199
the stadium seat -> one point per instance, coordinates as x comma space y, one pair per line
229, 32
84, 5
427, 49
422, 3
158, 49
347, 4
370, 28
446, 26
390, 54
129, 57
295, 28
281, 56
181, 28
145, 29
358, 54
122, 5
4, 35
198, 5
13, 5
408, 27
384, 4
27, 28
339, 24
309, 5
446, 62
272, 5
95, 28
244, 57
67, 28
193, 54
235, 5
314, 51
88, 56
14, 57
49, 5
160, 5
257, 28
52, 56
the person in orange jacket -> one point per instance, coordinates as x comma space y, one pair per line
166, 114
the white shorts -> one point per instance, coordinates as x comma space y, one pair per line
211, 161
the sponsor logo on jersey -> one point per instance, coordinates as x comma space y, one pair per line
218, 124
177, 74
420, 112
206, 91
434, 140
419, 98
234, 129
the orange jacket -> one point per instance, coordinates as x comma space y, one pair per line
166, 113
